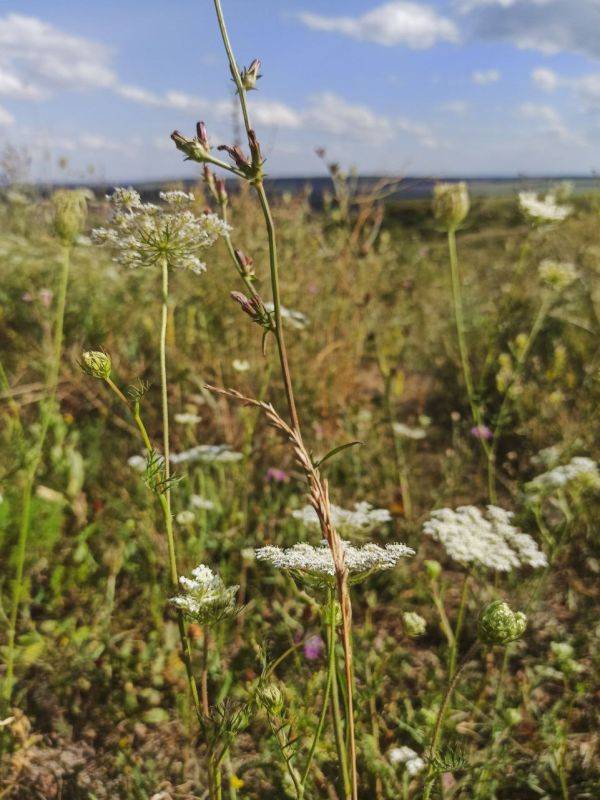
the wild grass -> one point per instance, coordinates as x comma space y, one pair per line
453, 368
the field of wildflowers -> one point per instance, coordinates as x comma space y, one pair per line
297, 502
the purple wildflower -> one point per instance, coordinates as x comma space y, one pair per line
277, 475
481, 432
313, 648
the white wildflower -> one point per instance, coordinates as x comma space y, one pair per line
546, 209
240, 365
143, 234
205, 597
202, 503
185, 517
187, 419
363, 519
138, 463
489, 540
407, 756
406, 432
207, 453
558, 275
305, 561
296, 319
579, 471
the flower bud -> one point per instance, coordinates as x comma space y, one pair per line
194, 149
245, 262
499, 624
202, 135
96, 363
414, 624
250, 75
270, 698
450, 204
434, 569
70, 211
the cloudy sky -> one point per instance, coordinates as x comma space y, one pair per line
439, 87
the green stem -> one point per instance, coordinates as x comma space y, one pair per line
519, 365
339, 735
459, 624
328, 680
463, 349
437, 731
47, 407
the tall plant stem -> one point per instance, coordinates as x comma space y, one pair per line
437, 730
339, 735
459, 623
342, 579
47, 408
328, 681
538, 322
464, 354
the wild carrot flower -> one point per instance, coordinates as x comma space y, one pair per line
487, 540
450, 204
557, 274
208, 454
499, 624
316, 563
295, 319
205, 598
546, 209
187, 418
406, 432
363, 519
579, 471
414, 624
144, 235
412, 762
202, 503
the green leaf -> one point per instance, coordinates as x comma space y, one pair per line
335, 451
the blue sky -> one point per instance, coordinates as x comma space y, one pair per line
444, 87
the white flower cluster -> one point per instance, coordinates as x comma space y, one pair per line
208, 454
546, 209
413, 763
489, 540
205, 597
296, 319
363, 519
304, 560
202, 503
557, 274
143, 234
579, 470
406, 432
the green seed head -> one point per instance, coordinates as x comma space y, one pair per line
499, 624
69, 214
434, 569
414, 624
96, 364
270, 698
450, 204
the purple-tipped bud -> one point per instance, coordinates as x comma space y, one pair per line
243, 260
236, 154
244, 302
202, 135
221, 191
254, 147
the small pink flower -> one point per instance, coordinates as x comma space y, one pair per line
313, 648
277, 475
46, 296
481, 432
27, 298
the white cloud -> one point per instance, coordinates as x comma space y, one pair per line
270, 112
6, 118
458, 107
11, 85
329, 113
138, 95
586, 87
40, 57
545, 79
411, 24
422, 133
550, 26
485, 76
550, 122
